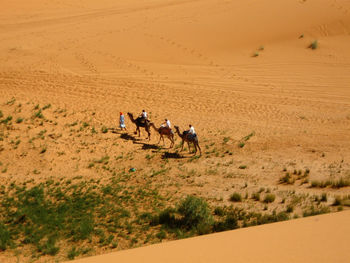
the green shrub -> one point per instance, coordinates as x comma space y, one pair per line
19, 120
236, 197
104, 129
269, 198
219, 211
314, 45
195, 212
256, 196
5, 237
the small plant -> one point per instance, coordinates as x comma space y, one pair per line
242, 167
236, 197
19, 120
104, 129
269, 198
73, 253
256, 196
314, 45
7, 120
195, 212
255, 54
43, 150
47, 106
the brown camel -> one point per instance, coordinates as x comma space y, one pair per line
140, 122
185, 136
164, 131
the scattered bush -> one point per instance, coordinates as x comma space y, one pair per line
314, 45
269, 198
195, 212
236, 197
104, 129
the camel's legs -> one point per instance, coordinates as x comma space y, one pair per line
200, 151
189, 149
182, 145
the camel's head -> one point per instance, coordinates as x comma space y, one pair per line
130, 114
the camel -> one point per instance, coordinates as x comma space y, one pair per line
164, 131
189, 139
139, 122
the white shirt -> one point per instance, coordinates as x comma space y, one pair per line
192, 130
168, 124
144, 114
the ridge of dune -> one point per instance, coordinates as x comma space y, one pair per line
318, 239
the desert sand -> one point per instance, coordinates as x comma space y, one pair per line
263, 102
315, 239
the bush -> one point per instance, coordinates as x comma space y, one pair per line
314, 45
256, 196
269, 198
230, 222
104, 129
236, 197
5, 237
195, 212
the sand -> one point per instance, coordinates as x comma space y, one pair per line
230, 68
315, 239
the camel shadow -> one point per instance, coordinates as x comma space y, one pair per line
147, 146
170, 155
127, 137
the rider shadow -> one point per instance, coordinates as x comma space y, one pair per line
170, 155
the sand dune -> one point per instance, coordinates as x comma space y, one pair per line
317, 239
231, 68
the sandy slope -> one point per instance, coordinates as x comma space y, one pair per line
191, 61
315, 239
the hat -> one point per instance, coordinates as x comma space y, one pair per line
121, 113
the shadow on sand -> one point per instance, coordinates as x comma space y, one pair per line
169, 155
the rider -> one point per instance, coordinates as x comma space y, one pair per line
144, 115
167, 124
191, 131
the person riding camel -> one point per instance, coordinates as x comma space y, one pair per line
191, 132
167, 124
144, 116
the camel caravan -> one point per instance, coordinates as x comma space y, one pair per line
164, 130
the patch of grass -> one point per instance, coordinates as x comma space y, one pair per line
269, 198
19, 120
242, 167
226, 140
104, 129
342, 182
236, 197
256, 196
7, 120
314, 45
47, 106
43, 150
38, 114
